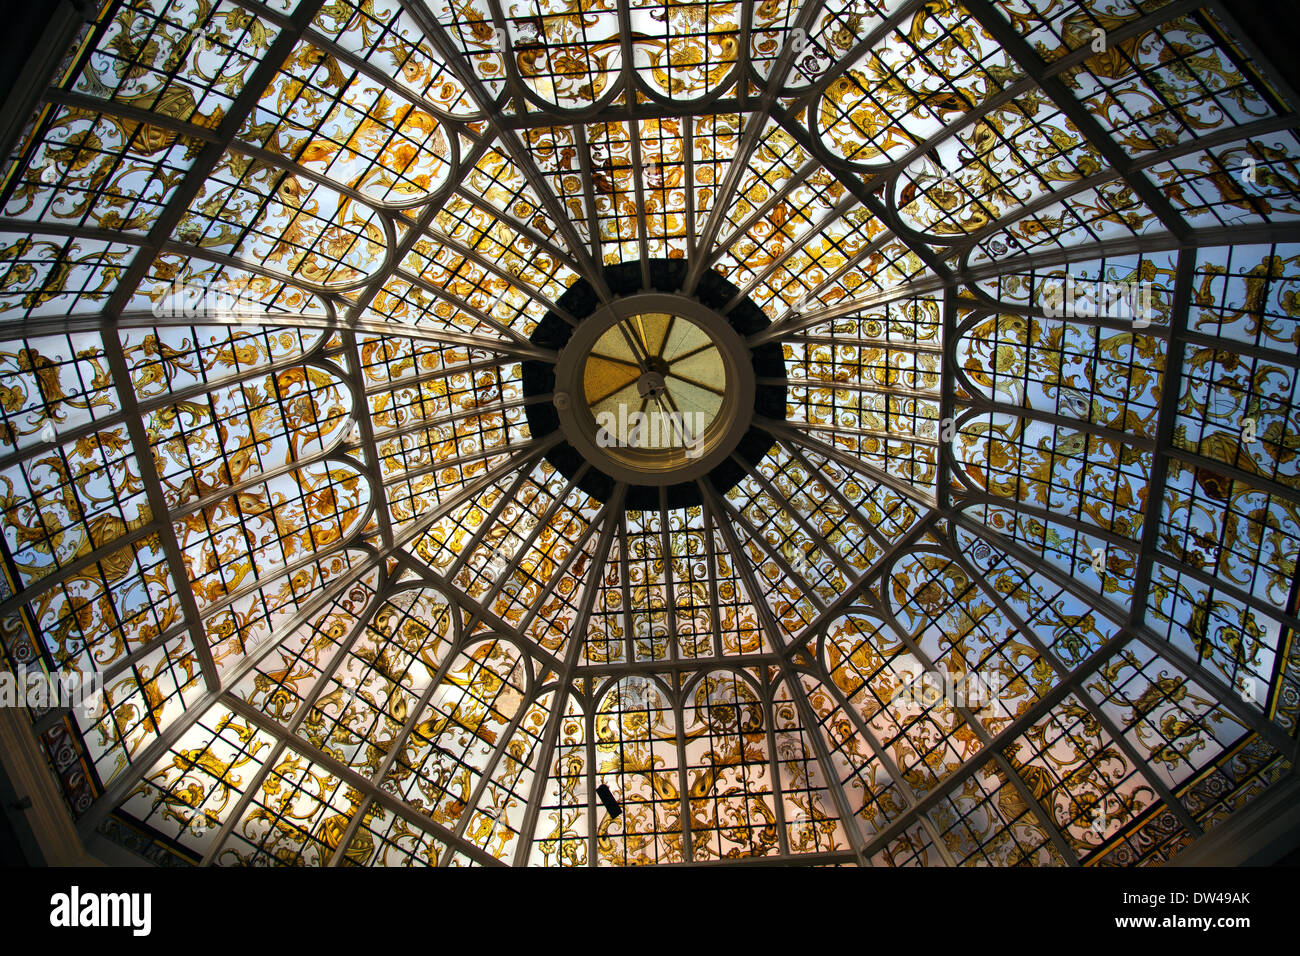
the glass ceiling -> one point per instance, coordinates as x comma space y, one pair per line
270, 272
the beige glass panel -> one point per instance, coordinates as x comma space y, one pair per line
703, 368
602, 377
613, 344
691, 398
652, 329
683, 338
628, 397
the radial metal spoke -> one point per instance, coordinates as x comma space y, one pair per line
117, 792
634, 140
1224, 695
819, 540
861, 590
972, 721
1045, 652
287, 735
995, 744
1111, 539
745, 152
345, 773
168, 539
867, 470
1166, 415
1088, 125
866, 196
589, 269
725, 509
807, 718
755, 218
533, 527
564, 681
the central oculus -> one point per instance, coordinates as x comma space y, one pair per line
654, 388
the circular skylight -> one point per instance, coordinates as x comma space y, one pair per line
659, 360
655, 389
661, 368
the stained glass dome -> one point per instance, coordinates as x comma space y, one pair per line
968, 533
